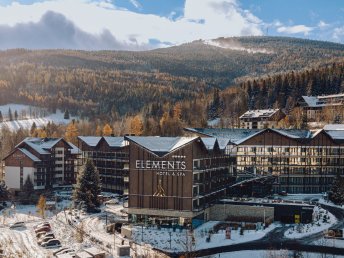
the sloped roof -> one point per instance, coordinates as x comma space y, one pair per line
234, 135
335, 134
74, 149
209, 142
334, 127
115, 141
29, 155
36, 147
112, 141
90, 140
160, 146
322, 101
294, 133
259, 113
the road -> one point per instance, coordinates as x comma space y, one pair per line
275, 240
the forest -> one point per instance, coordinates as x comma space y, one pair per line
162, 91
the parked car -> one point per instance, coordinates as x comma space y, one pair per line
112, 202
52, 243
17, 225
65, 251
44, 239
44, 224
42, 229
47, 234
42, 234
60, 250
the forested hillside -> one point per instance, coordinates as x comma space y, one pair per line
114, 83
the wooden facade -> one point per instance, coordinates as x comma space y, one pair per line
180, 184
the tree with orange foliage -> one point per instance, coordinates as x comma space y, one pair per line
72, 132
136, 126
107, 130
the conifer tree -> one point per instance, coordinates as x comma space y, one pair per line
66, 114
4, 194
337, 191
88, 188
10, 117
33, 129
15, 115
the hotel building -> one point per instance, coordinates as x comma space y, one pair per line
49, 162
175, 178
301, 161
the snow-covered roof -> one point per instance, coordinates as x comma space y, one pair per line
336, 134
29, 155
323, 101
209, 142
259, 113
115, 141
161, 145
90, 140
74, 149
334, 127
234, 135
112, 141
36, 147
294, 133
238, 135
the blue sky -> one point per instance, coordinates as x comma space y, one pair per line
146, 24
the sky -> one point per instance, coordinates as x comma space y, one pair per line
149, 24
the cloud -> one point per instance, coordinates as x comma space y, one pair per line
297, 29
55, 31
338, 34
109, 26
323, 25
136, 4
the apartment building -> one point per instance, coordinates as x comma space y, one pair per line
49, 162
314, 106
110, 156
261, 118
301, 161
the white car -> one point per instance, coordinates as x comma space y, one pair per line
17, 225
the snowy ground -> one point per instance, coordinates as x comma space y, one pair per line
322, 221
27, 115
329, 203
182, 240
22, 242
272, 254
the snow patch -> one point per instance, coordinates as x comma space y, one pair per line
236, 46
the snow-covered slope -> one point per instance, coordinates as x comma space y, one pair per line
27, 115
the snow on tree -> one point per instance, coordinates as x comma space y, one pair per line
88, 186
